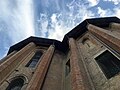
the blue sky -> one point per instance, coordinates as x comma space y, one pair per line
20, 19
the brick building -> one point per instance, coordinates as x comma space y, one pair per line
88, 58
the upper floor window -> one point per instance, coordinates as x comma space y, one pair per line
67, 67
109, 64
32, 63
16, 84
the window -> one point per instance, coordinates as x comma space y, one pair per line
16, 84
67, 67
109, 64
32, 63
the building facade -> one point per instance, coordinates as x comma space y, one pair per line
88, 58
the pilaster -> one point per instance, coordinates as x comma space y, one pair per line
115, 26
9, 65
41, 70
108, 39
8, 56
77, 78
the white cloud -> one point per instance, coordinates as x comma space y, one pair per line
104, 13
53, 18
58, 29
93, 2
114, 1
42, 26
108, 12
117, 11
101, 12
18, 18
16, 22
90, 3
62, 22
59, 23
50, 3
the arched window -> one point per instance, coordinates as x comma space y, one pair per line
32, 63
68, 67
88, 43
16, 84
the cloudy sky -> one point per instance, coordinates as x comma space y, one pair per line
20, 19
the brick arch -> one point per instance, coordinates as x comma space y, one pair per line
24, 77
16, 82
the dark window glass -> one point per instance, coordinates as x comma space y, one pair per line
16, 84
32, 63
109, 64
67, 67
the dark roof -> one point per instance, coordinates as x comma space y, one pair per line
75, 33
82, 27
39, 42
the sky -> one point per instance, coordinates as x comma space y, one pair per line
20, 19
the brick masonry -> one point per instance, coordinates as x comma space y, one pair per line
110, 40
9, 65
41, 70
77, 81
50, 71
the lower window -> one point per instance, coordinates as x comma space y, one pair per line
109, 64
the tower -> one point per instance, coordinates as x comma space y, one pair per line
88, 58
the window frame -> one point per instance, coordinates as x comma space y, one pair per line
100, 67
13, 82
34, 59
67, 68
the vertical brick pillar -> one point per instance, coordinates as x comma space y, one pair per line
115, 26
8, 56
76, 74
10, 63
108, 39
41, 70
